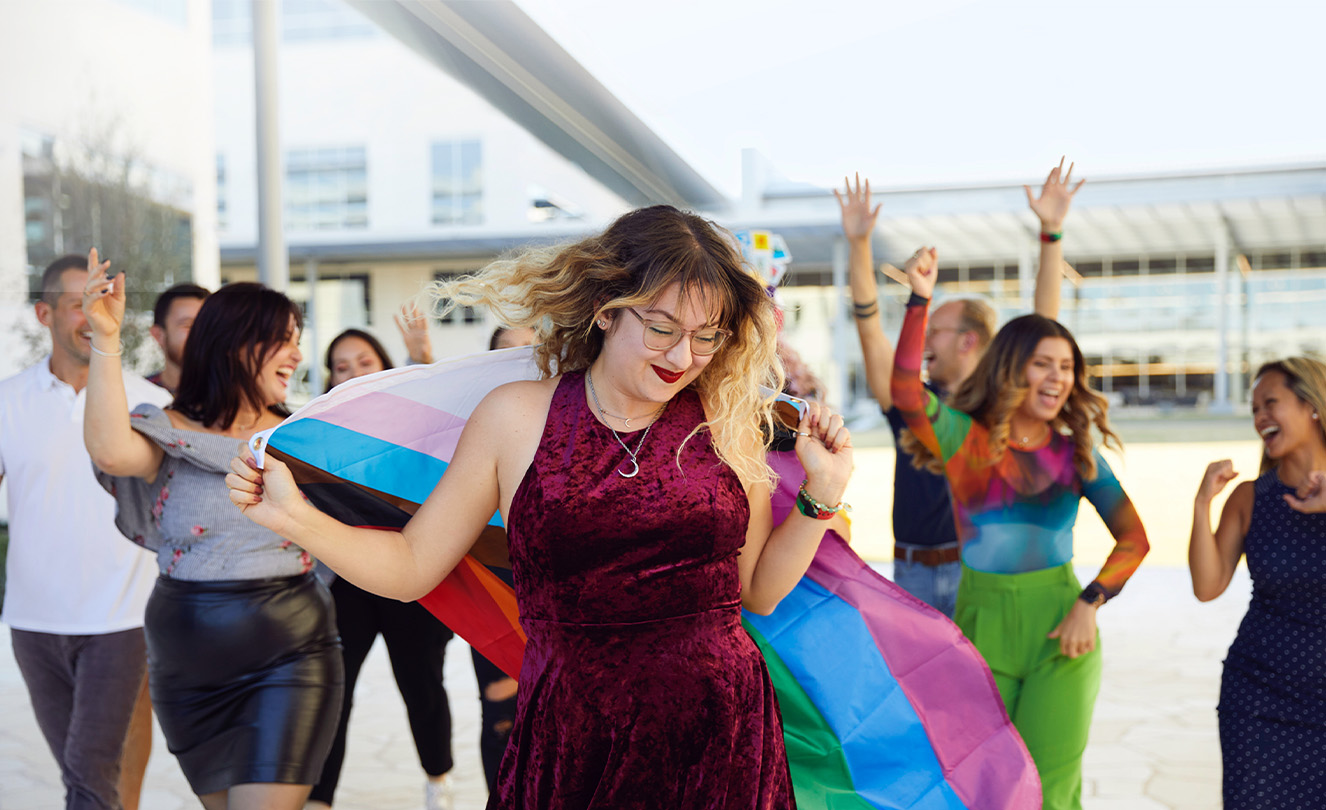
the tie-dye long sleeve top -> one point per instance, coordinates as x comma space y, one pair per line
1017, 514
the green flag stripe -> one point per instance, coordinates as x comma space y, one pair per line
820, 775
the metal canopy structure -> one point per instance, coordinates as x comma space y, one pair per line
495, 49
1244, 210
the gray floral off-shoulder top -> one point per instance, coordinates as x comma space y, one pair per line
185, 514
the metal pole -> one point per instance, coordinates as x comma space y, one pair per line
273, 264
839, 324
1221, 403
311, 325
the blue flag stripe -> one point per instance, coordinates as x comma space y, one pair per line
821, 639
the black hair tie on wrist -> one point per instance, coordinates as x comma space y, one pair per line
866, 310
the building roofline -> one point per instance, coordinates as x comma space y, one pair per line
495, 48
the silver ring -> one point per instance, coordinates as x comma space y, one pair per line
802, 433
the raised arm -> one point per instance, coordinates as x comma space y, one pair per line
775, 558
1051, 208
413, 325
115, 447
938, 427
1214, 555
407, 564
876, 349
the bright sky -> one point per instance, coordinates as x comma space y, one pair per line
956, 91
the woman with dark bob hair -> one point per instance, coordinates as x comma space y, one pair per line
1015, 442
243, 657
634, 486
1273, 692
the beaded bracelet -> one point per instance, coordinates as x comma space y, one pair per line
1051, 236
812, 508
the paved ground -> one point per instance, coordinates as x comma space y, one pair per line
1153, 742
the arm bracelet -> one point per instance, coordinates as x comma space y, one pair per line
812, 508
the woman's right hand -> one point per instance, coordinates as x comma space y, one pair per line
103, 300
922, 270
268, 497
1217, 475
858, 216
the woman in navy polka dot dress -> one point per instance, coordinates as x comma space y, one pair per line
1273, 694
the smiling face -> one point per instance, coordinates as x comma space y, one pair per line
945, 341
278, 367
179, 320
353, 357
1050, 377
1282, 420
71, 337
641, 376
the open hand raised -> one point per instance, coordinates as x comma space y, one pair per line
1051, 208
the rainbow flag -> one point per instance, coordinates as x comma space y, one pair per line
885, 704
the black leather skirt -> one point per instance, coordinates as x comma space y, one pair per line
246, 678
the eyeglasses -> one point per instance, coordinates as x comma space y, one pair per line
935, 330
663, 335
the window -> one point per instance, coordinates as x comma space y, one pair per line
175, 12
459, 314
326, 188
301, 21
222, 221
457, 183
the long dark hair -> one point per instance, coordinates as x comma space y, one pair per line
373, 343
237, 328
998, 386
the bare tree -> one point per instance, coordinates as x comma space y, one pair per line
93, 194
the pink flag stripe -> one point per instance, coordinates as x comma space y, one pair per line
364, 414
932, 661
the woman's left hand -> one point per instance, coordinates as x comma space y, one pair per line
1077, 632
824, 448
1051, 207
1311, 496
414, 331
103, 299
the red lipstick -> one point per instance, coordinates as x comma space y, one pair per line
668, 377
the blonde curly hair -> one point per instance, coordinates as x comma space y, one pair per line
561, 290
1306, 377
998, 386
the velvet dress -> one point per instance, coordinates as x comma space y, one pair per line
639, 687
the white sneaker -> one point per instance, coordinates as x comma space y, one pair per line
438, 795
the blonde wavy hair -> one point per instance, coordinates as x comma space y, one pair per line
560, 291
1306, 377
998, 386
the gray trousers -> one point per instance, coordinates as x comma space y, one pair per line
83, 690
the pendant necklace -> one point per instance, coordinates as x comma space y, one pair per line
1024, 441
631, 454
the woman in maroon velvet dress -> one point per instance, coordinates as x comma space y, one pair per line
634, 486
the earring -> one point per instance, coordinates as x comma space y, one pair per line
602, 324
1314, 415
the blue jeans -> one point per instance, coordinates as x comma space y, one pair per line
936, 585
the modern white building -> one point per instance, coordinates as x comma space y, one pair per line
395, 171
88, 81
422, 138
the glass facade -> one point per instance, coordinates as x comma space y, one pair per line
1149, 326
301, 21
326, 188
457, 183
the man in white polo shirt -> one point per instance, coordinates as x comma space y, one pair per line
75, 588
